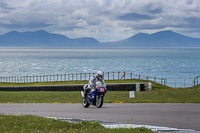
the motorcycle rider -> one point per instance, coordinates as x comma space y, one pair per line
92, 82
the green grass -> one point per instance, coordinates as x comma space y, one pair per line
159, 94
34, 124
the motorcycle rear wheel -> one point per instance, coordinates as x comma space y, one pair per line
99, 101
85, 103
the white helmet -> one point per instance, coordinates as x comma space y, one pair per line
100, 74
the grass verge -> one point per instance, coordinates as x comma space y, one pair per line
35, 124
159, 94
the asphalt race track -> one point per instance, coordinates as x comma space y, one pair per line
184, 116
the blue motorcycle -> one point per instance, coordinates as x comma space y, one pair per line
95, 96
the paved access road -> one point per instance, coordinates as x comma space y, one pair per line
185, 116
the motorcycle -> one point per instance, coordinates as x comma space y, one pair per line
94, 96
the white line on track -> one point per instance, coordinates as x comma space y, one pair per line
116, 125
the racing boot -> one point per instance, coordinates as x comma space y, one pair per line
85, 94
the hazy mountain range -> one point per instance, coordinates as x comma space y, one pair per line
159, 39
44, 39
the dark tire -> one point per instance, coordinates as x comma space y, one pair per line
99, 101
85, 103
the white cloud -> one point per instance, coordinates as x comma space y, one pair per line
105, 20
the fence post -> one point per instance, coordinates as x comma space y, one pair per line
67, 78
64, 77
184, 83
118, 75
124, 75
43, 78
175, 83
131, 75
164, 81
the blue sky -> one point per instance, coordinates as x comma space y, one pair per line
105, 20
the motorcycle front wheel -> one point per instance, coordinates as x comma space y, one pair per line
99, 101
85, 103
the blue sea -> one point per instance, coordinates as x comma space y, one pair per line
169, 63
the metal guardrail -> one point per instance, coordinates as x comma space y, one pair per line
107, 76
180, 83
77, 77
196, 81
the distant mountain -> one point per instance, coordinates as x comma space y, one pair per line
44, 39
160, 39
